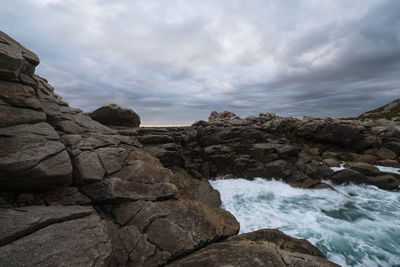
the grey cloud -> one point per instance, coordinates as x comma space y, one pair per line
174, 62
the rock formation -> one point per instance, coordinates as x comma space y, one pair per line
74, 192
300, 152
114, 115
390, 111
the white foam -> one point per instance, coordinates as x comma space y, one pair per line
341, 167
363, 230
388, 169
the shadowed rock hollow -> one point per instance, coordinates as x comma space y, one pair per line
75, 192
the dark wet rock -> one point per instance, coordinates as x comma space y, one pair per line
114, 115
169, 156
364, 168
348, 176
385, 153
389, 163
340, 134
385, 181
16, 62
155, 139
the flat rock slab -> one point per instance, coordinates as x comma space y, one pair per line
17, 223
249, 254
114, 190
79, 242
33, 158
177, 227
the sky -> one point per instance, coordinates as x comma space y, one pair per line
175, 61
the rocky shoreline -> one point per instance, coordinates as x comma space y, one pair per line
78, 192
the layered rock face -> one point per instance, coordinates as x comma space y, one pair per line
74, 192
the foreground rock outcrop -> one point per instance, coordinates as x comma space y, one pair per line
75, 192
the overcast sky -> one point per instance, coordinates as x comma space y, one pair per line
173, 62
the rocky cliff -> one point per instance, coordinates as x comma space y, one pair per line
75, 192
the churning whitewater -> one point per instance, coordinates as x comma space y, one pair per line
359, 225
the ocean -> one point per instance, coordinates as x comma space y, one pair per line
359, 225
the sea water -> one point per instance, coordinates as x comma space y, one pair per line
359, 225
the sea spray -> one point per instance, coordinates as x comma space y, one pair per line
359, 225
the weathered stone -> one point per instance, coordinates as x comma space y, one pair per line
282, 240
383, 181
15, 59
385, 153
32, 158
131, 248
10, 116
71, 139
113, 114
331, 162
168, 158
145, 172
389, 163
193, 189
115, 190
112, 158
17, 223
225, 115
200, 123
155, 139
347, 176
340, 134
364, 168
249, 254
88, 168
78, 242
69, 127
288, 151
177, 227
64, 196
394, 146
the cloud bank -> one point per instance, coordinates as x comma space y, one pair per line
175, 61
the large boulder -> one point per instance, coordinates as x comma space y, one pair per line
338, 133
114, 115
